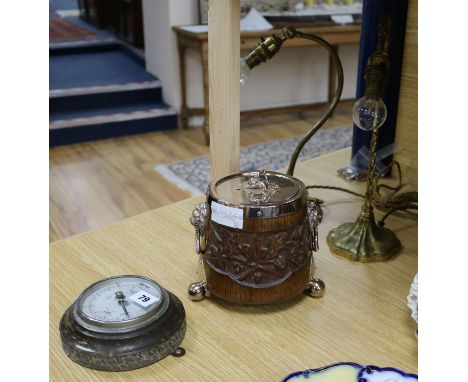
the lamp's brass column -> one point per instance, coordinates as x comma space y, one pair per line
363, 240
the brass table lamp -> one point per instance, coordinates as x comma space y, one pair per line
364, 240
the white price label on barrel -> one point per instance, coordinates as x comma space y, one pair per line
228, 216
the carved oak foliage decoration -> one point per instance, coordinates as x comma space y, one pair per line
261, 259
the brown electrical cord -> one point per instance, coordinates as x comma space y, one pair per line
395, 201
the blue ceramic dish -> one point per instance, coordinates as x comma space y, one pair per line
351, 372
307, 373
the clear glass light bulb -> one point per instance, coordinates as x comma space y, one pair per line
244, 71
369, 112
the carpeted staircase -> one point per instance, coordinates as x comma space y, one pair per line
100, 89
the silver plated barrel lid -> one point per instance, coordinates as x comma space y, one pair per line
261, 194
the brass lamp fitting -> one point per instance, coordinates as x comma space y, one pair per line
268, 47
364, 240
378, 64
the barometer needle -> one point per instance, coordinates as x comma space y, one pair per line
121, 298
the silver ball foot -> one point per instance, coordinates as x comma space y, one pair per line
315, 288
197, 290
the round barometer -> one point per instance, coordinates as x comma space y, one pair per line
123, 323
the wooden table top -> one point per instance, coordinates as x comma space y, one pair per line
362, 318
319, 29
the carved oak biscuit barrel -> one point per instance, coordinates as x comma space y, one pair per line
258, 238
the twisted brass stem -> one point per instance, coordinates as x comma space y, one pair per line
371, 169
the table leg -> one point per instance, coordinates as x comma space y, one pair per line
331, 76
183, 91
206, 123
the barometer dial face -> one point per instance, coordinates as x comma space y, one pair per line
120, 304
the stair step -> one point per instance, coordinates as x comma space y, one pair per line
58, 93
104, 95
97, 65
87, 125
103, 91
89, 116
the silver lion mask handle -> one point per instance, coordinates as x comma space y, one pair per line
314, 215
199, 220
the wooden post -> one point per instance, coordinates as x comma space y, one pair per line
224, 88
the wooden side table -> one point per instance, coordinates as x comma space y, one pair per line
187, 39
362, 318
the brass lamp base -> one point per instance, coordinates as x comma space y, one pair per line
363, 240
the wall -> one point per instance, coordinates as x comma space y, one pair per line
407, 120
295, 76
162, 59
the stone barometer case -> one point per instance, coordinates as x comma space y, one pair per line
123, 323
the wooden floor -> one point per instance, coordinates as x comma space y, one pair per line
97, 183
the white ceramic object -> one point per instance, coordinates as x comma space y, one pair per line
413, 298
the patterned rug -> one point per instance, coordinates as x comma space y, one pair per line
193, 175
62, 30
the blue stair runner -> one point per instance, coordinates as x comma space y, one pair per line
102, 91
